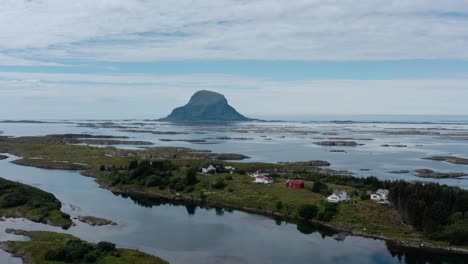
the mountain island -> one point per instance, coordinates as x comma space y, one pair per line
206, 106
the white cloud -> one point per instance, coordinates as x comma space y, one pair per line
138, 30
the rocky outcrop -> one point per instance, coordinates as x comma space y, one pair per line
427, 173
450, 159
338, 143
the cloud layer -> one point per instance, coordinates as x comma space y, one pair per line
139, 30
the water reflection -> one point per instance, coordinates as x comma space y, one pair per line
398, 252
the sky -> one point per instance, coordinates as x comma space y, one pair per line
105, 59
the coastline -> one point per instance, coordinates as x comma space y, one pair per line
295, 219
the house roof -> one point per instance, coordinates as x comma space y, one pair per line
295, 181
339, 192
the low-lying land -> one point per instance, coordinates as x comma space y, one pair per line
54, 248
181, 181
95, 221
338, 143
19, 200
450, 159
428, 173
174, 173
2, 157
107, 142
54, 152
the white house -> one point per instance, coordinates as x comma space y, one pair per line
207, 168
380, 195
338, 196
263, 179
257, 174
230, 169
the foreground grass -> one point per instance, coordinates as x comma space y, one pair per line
35, 250
20, 200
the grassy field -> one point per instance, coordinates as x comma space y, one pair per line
361, 216
35, 250
54, 152
20, 200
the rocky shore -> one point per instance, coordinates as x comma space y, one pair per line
450, 159
428, 173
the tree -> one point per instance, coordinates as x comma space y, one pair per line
133, 165
307, 211
319, 186
191, 176
279, 206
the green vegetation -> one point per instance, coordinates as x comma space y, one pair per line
438, 211
19, 200
58, 152
171, 172
359, 215
54, 248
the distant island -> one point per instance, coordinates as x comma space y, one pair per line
206, 106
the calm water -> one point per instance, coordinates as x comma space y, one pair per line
189, 234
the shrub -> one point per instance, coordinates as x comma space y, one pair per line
307, 211
105, 246
219, 184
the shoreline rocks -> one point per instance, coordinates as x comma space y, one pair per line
95, 221
450, 159
428, 173
338, 143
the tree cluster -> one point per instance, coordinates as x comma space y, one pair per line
437, 210
77, 251
155, 173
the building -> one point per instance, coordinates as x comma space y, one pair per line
208, 168
338, 196
256, 174
230, 169
295, 184
380, 195
263, 179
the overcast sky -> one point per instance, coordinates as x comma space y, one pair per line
140, 59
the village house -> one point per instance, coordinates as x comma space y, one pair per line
230, 169
208, 168
380, 195
263, 179
257, 174
338, 196
295, 184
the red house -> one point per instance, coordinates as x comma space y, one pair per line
295, 184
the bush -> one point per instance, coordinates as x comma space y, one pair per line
328, 210
319, 186
105, 246
279, 206
219, 184
228, 178
307, 211
152, 180
191, 177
